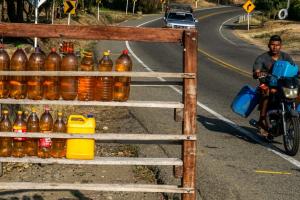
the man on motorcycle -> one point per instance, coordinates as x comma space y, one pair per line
263, 66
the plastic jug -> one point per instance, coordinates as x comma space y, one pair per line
81, 148
4, 66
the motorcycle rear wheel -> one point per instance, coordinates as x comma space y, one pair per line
292, 136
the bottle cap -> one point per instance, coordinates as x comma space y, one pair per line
47, 108
53, 49
59, 113
88, 53
20, 112
5, 111
106, 53
32, 110
125, 51
90, 116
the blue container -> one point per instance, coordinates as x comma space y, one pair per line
245, 101
298, 108
284, 69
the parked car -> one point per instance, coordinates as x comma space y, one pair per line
180, 19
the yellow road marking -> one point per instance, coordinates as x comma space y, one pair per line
272, 172
226, 65
217, 13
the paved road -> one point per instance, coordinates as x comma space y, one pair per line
228, 156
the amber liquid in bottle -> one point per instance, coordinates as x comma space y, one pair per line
32, 126
5, 142
104, 84
4, 66
19, 144
44, 144
34, 83
51, 83
122, 84
18, 84
68, 84
86, 84
59, 145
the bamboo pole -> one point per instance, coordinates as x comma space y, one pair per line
190, 109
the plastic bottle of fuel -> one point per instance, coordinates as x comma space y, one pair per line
19, 143
68, 84
34, 83
86, 84
4, 66
58, 149
51, 83
5, 142
104, 84
46, 125
18, 84
33, 125
122, 84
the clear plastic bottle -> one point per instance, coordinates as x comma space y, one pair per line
104, 84
4, 66
18, 84
5, 142
86, 84
34, 83
122, 84
19, 144
50, 84
32, 126
46, 125
58, 149
68, 84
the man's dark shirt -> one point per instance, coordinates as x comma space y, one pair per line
264, 62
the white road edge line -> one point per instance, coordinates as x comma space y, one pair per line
221, 33
217, 115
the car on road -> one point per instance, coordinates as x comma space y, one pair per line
180, 19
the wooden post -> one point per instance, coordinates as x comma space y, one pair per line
190, 111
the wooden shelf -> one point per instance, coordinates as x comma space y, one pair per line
105, 136
82, 73
94, 187
145, 104
98, 161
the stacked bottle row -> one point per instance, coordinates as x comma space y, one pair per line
41, 147
68, 87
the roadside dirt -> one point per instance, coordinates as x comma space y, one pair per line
288, 30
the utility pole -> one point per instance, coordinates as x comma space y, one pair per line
126, 6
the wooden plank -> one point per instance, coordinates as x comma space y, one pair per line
141, 104
95, 187
190, 110
98, 161
83, 73
106, 136
91, 32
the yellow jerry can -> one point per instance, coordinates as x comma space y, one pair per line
82, 149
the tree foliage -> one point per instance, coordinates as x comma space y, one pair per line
294, 11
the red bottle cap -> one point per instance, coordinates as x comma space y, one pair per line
125, 51
53, 49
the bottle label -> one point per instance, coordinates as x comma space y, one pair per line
21, 131
45, 142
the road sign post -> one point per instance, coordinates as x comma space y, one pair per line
248, 7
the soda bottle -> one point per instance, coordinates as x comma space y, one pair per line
17, 84
50, 84
104, 84
68, 84
44, 144
32, 126
19, 144
122, 84
58, 144
5, 142
4, 66
86, 83
34, 83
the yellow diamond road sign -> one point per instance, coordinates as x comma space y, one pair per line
69, 7
249, 6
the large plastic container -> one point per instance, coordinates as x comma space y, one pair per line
4, 66
284, 69
82, 149
245, 101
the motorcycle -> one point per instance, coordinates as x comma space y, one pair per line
282, 117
